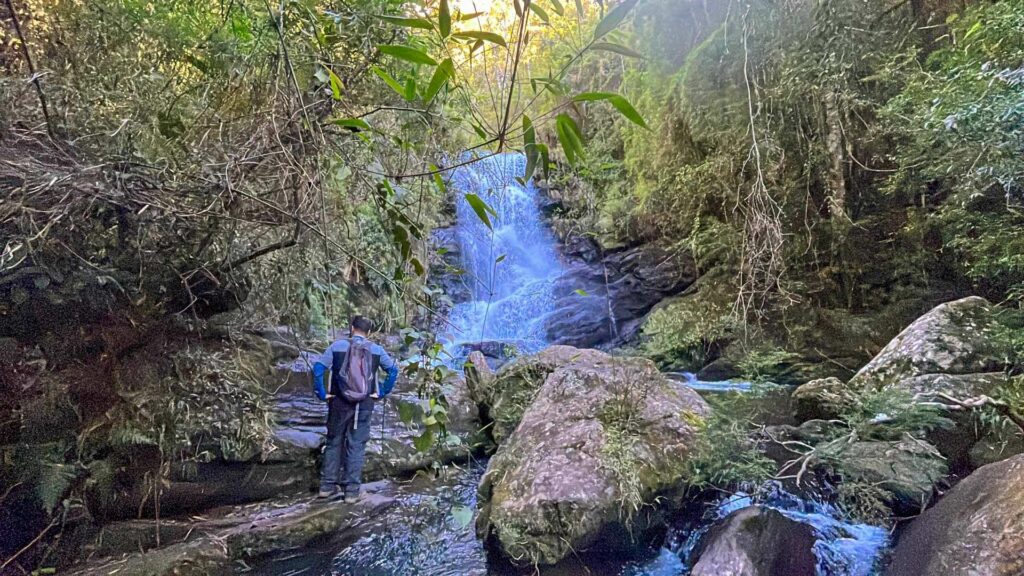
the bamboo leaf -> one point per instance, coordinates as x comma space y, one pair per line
420, 23
444, 72
530, 148
481, 35
408, 54
481, 208
570, 138
540, 12
617, 101
410, 88
614, 18
444, 19
389, 80
617, 48
336, 85
556, 7
354, 124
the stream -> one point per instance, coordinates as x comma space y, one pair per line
511, 263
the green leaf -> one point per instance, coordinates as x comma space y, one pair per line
355, 124
481, 35
444, 19
540, 12
389, 80
617, 101
570, 138
556, 7
420, 23
438, 180
408, 412
408, 53
617, 48
417, 266
459, 17
335, 82
545, 159
479, 130
462, 515
424, 441
973, 30
410, 88
581, 292
500, 259
444, 72
614, 18
530, 148
579, 9
481, 208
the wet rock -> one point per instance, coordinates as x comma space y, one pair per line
976, 529
718, 370
952, 338
821, 399
212, 546
603, 302
601, 440
758, 542
907, 469
479, 376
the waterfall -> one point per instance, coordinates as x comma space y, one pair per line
509, 267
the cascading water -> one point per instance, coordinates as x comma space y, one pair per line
510, 267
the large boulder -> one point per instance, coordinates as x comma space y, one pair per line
758, 541
952, 338
504, 397
603, 438
977, 529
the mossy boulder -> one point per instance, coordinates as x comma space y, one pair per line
977, 529
907, 469
504, 397
599, 439
953, 338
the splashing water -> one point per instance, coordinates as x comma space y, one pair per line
510, 266
842, 548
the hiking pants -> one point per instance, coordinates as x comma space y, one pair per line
346, 445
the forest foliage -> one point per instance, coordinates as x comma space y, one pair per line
834, 168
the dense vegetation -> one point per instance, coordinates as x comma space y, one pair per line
174, 171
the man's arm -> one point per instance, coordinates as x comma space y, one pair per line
320, 367
388, 364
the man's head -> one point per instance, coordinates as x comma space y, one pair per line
361, 325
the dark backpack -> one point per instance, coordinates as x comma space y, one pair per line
357, 371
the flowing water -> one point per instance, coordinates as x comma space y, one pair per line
509, 265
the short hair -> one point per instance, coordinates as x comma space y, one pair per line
362, 323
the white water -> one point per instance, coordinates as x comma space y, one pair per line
511, 266
842, 548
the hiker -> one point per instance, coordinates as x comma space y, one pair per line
353, 364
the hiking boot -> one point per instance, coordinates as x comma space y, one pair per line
334, 493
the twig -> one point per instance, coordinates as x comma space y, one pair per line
31, 67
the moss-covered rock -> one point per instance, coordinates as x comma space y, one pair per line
953, 338
601, 440
506, 396
996, 446
907, 469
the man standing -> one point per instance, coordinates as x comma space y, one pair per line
353, 364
